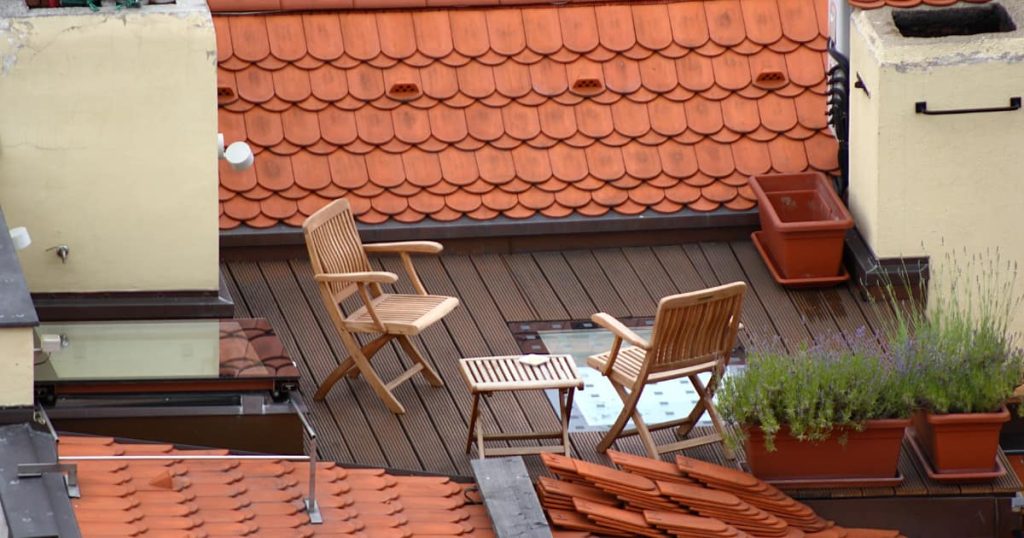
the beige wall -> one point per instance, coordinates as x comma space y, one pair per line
925, 185
16, 366
108, 129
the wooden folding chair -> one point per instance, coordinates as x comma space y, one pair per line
341, 268
693, 334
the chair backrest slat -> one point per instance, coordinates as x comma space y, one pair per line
334, 245
696, 327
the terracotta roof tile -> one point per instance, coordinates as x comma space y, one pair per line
512, 111
689, 498
245, 497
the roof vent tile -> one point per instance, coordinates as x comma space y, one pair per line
770, 80
587, 86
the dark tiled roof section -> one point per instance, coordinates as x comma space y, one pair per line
259, 498
249, 348
691, 498
520, 111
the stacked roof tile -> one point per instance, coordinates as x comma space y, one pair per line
689, 498
258, 498
509, 111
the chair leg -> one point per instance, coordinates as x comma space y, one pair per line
690, 421
417, 357
348, 366
371, 349
334, 377
716, 419
620, 422
362, 363
640, 426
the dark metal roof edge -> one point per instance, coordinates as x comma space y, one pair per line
510, 499
33, 507
16, 308
465, 227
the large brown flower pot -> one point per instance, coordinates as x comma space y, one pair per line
960, 442
873, 453
803, 223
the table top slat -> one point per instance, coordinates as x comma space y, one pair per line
490, 374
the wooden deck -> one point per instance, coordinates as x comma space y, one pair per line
498, 289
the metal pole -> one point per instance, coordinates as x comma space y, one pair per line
312, 507
44, 419
174, 457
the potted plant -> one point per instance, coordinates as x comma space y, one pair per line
965, 363
821, 413
803, 226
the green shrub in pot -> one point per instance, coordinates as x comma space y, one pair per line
817, 391
964, 359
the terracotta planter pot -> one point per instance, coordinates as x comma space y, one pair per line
803, 223
960, 442
872, 453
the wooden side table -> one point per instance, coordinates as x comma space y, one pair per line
486, 375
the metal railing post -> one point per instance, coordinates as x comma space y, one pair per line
312, 507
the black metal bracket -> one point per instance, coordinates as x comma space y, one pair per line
70, 471
921, 107
860, 85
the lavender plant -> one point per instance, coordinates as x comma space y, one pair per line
819, 391
960, 352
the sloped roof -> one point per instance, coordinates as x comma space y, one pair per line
690, 497
231, 498
516, 112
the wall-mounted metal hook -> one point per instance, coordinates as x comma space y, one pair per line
63, 251
860, 84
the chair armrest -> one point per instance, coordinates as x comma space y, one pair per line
416, 247
367, 277
619, 330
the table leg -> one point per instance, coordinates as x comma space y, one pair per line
473, 415
566, 415
480, 440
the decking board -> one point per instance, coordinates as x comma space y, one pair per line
497, 290
502, 287
592, 278
626, 282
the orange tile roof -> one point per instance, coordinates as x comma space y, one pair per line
231, 498
647, 497
554, 111
875, 4
229, 6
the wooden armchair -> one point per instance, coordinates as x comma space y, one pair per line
693, 333
341, 268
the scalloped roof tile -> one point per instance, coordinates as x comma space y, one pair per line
233, 497
516, 111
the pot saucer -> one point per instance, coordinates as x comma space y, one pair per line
957, 477
810, 282
837, 483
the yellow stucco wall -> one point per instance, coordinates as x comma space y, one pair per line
929, 185
108, 129
16, 365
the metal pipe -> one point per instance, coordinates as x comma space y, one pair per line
312, 507
173, 457
42, 417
